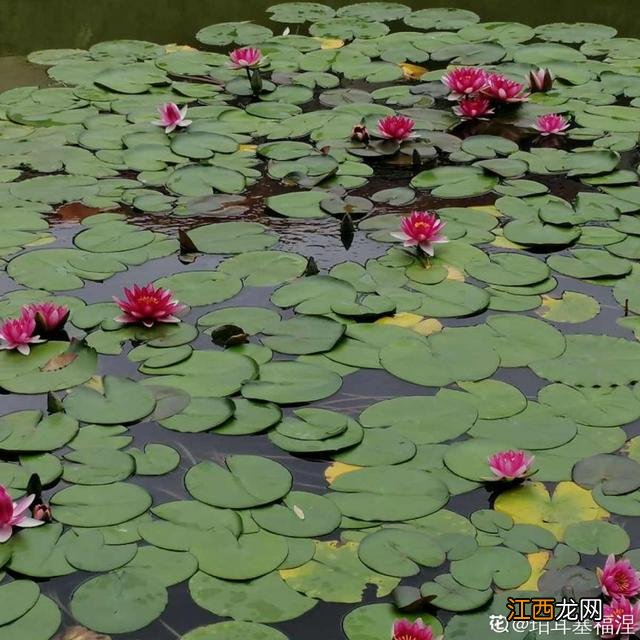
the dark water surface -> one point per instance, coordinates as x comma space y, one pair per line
27, 25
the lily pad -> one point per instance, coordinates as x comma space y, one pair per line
119, 602
265, 599
248, 481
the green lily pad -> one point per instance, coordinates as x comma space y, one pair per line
302, 514
597, 537
88, 552
303, 335
99, 506
19, 597
505, 568
41, 552
249, 556
455, 182
154, 460
508, 269
265, 268
231, 237
234, 630
387, 493
118, 602
30, 431
292, 382
97, 466
51, 366
198, 288
248, 481
165, 567
40, 623
448, 594
440, 361
591, 361
598, 407
399, 552
423, 419
120, 401
265, 599
614, 475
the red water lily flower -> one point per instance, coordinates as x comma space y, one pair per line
620, 619
618, 578
49, 317
502, 89
19, 333
12, 514
473, 108
147, 305
465, 81
510, 465
406, 630
397, 128
421, 229
551, 124
245, 58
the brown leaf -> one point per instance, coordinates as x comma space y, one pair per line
59, 362
80, 633
75, 212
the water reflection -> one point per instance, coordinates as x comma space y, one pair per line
42, 24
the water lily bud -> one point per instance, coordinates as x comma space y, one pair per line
360, 133
540, 80
42, 512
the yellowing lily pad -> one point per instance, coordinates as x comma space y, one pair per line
531, 503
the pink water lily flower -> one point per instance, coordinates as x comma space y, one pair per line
396, 128
465, 81
620, 619
421, 229
473, 109
245, 58
551, 124
19, 333
502, 89
405, 630
540, 80
12, 514
147, 305
49, 317
510, 465
171, 116
618, 578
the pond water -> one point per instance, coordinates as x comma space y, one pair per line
41, 24
353, 388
